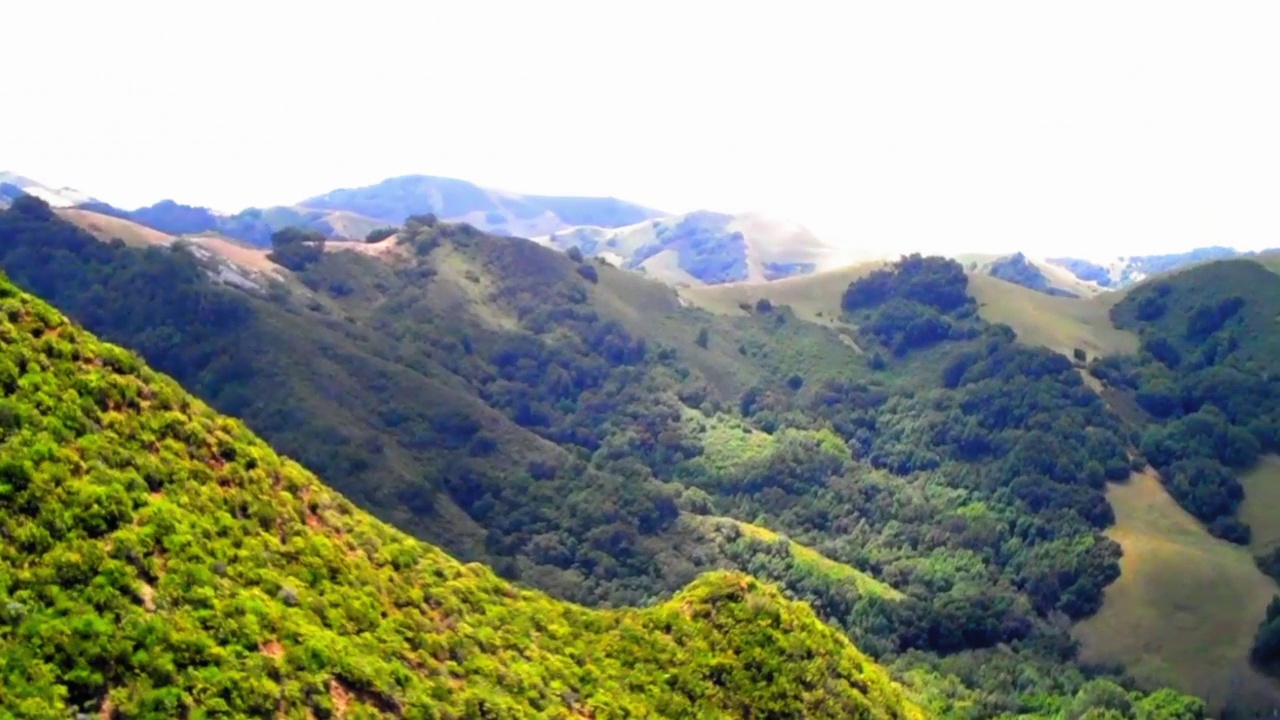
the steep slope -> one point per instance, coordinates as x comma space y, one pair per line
167, 561
395, 199
704, 247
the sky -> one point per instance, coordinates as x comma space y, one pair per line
1092, 129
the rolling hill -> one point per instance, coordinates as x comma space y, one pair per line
167, 562
497, 211
588, 433
704, 247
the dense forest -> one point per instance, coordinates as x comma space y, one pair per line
938, 498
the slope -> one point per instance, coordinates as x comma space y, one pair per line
1186, 605
167, 561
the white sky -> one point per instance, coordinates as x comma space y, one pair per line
1089, 128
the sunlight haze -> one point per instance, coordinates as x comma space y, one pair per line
1110, 129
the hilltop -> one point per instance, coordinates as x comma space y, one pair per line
168, 561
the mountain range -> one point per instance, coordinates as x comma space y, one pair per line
703, 247
995, 501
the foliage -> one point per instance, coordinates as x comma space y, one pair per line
1207, 379
479, 393
164, 562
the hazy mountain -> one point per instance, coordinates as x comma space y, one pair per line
1126, 270
497, 211
704, 247
55, 197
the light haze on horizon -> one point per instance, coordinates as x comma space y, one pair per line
1093, 129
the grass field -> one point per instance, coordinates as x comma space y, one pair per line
1058, 323
815, 298
1261, 501
1186, 606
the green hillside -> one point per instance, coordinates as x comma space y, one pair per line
162, 561
941, 487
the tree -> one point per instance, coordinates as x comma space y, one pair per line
296, 248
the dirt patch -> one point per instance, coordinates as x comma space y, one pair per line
273, 649
340, 696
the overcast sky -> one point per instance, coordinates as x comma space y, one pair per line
1096, 129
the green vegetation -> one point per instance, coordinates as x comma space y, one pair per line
1206, 382
161, 561
480, 393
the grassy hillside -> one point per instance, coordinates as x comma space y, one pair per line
167, 562
571, 424
395, 199
108, 227
1261, 498
1059, 323
1186, 605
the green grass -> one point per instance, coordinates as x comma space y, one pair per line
1186, 605
808, 558
1262, 503
1058, 323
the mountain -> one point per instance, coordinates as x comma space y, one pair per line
703, 247
935, 489
253, 226
56, 197
1125, 271
165, 561
1039, 276
395, 199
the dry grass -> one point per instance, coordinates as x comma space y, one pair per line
815, 298
1058, 323
106, 228
1186, 606
253, 258
1261, 500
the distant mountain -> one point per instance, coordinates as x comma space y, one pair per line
496, 211
1018, 269
703, 247
253, 226
1125, 271
55, 197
